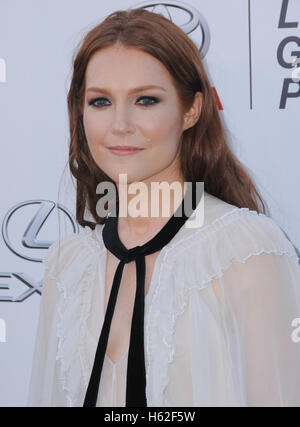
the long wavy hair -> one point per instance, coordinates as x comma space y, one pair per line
204, 155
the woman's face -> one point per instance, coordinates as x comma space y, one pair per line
115, 113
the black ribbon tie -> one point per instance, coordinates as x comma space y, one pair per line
136, 372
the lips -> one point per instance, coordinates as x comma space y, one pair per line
125, 147
124, 151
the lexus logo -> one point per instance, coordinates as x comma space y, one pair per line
29, 240
172, 10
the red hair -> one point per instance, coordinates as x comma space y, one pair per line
205, 154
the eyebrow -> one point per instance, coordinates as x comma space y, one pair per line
134, 90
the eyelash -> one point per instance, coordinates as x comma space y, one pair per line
153, 98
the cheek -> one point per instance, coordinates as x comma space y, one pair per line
165, 134
165, 125
94, 132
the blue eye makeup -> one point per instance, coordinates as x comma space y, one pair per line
153, 100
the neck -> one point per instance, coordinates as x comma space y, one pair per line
144, 214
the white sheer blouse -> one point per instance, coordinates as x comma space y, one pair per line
218, 317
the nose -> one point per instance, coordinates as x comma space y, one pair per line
122, 121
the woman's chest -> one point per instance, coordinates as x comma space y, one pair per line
119, 336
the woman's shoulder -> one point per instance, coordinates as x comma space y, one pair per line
227, 233
224, 222
71, 251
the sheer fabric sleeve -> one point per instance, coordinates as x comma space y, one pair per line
45, 388
263, 297
244, 297
260, 297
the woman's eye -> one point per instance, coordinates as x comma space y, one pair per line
151, 98
93, 101
96, 102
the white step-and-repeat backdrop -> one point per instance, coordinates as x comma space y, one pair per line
251, 50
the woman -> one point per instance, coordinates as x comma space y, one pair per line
215, 303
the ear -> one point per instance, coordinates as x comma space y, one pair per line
192, 116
